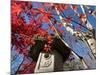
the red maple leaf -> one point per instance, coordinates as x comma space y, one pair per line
69, 19
16, 9
65, 7
75, 7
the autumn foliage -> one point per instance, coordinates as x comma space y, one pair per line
27, 23
23, 32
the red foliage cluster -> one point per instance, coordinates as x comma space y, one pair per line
47, 47
62, 7
23, 33
75, 7
68, 19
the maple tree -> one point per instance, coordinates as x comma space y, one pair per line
24, 33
